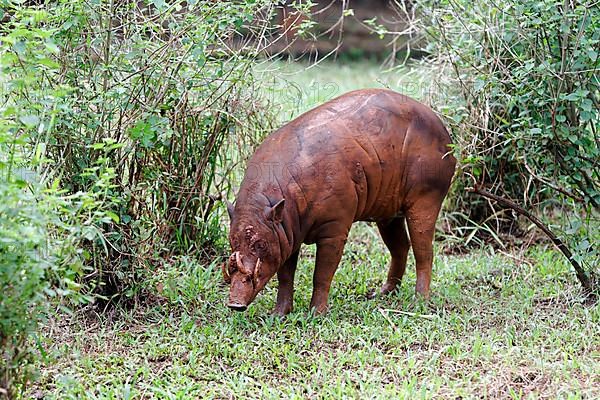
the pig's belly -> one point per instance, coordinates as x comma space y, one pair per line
379, 191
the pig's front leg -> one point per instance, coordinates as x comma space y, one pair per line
285, 292
329, 253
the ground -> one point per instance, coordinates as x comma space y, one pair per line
497, 326
508, 324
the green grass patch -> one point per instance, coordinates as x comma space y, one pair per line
293, 88
496, 326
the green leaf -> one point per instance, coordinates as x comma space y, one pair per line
30, 120
479, 84
113, 216
51, 46
97, 146
159, 4
19, 47
586, 105
572, 97
586, 116
573, 138
144, 133
47, 62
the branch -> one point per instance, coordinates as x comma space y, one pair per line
573, 196
582, 276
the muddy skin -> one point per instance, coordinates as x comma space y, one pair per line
368, 155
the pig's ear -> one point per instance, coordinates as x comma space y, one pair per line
275, 213
230, 208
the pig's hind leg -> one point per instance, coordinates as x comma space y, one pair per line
393, 233
421, 217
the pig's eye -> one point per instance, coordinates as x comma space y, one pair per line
260, 246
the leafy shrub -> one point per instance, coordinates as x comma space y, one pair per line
522, 96
119, 125
41, 262
43, 228
39, 254
142, 109
22, 275
35, 265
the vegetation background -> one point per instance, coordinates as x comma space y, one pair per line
124, 124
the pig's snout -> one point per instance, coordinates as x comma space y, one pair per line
237, 306
241, 293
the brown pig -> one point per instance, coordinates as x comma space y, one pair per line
368, 155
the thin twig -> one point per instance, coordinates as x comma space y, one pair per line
388, 319
410, 314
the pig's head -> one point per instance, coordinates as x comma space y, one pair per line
256, 253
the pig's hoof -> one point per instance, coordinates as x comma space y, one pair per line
318, 311
386, 289
422, 296
282, 311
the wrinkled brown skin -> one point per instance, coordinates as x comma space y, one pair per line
368, 155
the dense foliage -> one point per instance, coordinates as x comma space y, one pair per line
22, 271
522, 91
116, 124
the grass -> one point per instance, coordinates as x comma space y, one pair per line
497, 326
294, 88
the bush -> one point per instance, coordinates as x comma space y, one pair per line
128, 117
41, 261
22, 275
140, 105
39, 257
522, 96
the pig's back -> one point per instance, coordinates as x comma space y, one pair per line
363, 152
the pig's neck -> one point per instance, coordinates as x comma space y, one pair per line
286, 240
289, 238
